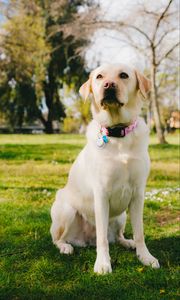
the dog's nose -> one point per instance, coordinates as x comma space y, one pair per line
109, 85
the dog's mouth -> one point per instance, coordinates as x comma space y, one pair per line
110, 99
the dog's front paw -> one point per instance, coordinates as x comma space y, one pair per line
65, 248
148, 260
102, 266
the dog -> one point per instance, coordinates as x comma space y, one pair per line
109, 175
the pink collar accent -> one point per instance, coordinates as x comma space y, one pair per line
118, 130
131, 127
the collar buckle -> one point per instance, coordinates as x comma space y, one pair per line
122, 132
118, 131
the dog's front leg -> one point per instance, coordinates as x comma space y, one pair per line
101, 207
136, 216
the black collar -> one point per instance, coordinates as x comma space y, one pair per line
121, 130
117, 130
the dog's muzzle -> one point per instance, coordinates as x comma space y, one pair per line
110, 98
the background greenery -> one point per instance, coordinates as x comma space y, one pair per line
32, 168
38, 59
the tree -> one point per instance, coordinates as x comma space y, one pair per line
63, 63
64, 32
25, 56
152, 30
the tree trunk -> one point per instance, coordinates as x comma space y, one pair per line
155, 107
20, 116
49, 95
49, 126
149, 110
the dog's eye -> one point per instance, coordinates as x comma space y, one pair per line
99, 76
123, 75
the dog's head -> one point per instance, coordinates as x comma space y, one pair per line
117, 92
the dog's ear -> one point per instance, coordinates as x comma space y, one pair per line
85, 89
144, 84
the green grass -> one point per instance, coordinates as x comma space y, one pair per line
32, 168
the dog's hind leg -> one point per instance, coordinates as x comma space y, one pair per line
63, 215
127, 243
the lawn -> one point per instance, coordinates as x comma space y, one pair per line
32, 168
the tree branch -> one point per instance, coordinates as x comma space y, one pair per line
140, 31
113, 25
167, 53
163, 36
132, 44
160, 19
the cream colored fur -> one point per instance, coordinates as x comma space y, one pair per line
104, 182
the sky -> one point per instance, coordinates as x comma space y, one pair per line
106, 49
2, 2
106, 46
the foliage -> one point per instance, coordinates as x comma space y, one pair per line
23, 68
70, 125
83, 108
25, 48
39, 54
18, 104
32, 168
78, 115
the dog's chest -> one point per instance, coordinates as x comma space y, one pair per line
121, 170
119, 183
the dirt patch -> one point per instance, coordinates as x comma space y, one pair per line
167, 216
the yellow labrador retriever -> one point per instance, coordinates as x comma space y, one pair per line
110, 173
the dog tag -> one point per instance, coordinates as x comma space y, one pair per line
105, 139
100, 142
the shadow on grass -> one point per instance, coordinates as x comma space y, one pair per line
29, 188
166, 250
64, 152
164, 146
45, 274
165, 152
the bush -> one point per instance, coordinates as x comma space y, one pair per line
70, 125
